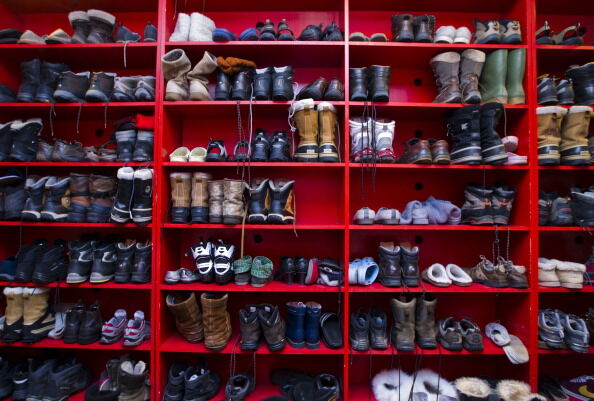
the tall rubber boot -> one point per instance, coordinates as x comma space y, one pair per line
493, 77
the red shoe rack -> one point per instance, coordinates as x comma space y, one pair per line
327, 195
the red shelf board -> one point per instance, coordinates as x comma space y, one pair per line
435, 45
565, 168
431, 105
258, 226
436, 166
209, 103
562, 290
564, 352
51, 343
132, 105
110, 285
558, 228
427, 227
559, 47
79, 46
252, 164
66, 224
74, 164
273, 286
473, 288
489, 349
263, 43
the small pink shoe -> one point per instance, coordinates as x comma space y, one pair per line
515, 160
510, 143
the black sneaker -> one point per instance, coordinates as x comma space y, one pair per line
39, 372
26, 260
6, 372
201, 383
20, 381
216, 151
260, 146
280, 147
66, 378
104, 263
52, 265
174, 390
81, 261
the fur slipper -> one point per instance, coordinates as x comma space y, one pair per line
472, 388
436, 275
513, 390
392, 385
434, 386
547, 276
571, 275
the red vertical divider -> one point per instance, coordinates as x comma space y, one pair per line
347, 217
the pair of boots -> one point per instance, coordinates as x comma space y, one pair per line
91, 198
398, 264
135, 137
303, 324
28, 315
191, 383
40, 263
19, 140
487, 206
257, 321
274, 83
213, 324
317, 128
184, 82
122, 380
92, 26
457, 76
372, 140
134, 196
406, 28
47, 198
368, 330
372, 83
193, 28
563, 135
103, 87
83, 324
271, 201
39, 80
137, 88
551, 92
414, 321
274, 148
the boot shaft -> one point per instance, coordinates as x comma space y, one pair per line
493, 77
575, 128
404, 315
233, 204
327, 123
57, 194
217, 323
181, 186
200, 189
549, 125
281, 193
30, 77
102, 189
188, 318
307, 121
34, 187
142, 200
471, 66
79, 20
14, 304
79, 189
446, 68
516, 66
125, 189
35, 304
425, 317
259, 196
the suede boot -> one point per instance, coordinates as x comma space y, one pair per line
199, 205
259, 203
198, 77
38, 320
30, 78
13, 323
176, 66
306, 120
327, 124
403, 330
121, 211
582, 78
492, 149
79, 198
295, 330
233, 205
72, 87
249, 326
358, 84
80, 23
49, 77
282, 202
516, 65
217, 324
188, 318
25, 139
215, 201
477, 208
501, 204
550, 119
56, 199
102, 25
180, 197
102, 190
465, 128
34, 187
493, 77
389, 263
425, 322
574, 136
142, 199
471, 66
402, 28
446, 68
379, 83
273, 326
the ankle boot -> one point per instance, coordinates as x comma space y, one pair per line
493, 77
79, 198
104, 263
215, 201
565, 92
260, 146
446, 69
273, 326
516, 65
79, 21
199, 205
242, 84
465, 128
403, 330
102, 25
176, 66
487, 32
259, 203
34, 186
327, 124
335, 91
492, 149
362, 148
142, 199
120, 213
143, 148
100, 87
501, 204
295, 330
125, 258
81, 261
141, 269
313, 312
281, 206
358, 84
425, 322
13, 323
49, 76
282, 83
314, 90
217, 324
378, 324
379, 83
38, 319
51, 267
188, 319
223, 86
102, 190
402, 28
30, 78
574, 136
280, 147
249, 328
306, 119
263, 83
477, 208
72, 87
198, 77
180, 197
359, 331
471, 66
132, 381
389, 263
124, 88
409, 261
25, 139
546, 90
424, 27
233, 205
56, 199
145, 89
384, 138
582, 78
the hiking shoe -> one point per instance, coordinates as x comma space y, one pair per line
550, 331
113, 330
137, 331
578, 387
216, 151
174, 390
450, 334
577, 336
66, 378
487, 274
472, 340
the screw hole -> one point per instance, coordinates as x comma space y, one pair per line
419, 186
99, 133
418, 133
419, 239
579, 239
418, 82
258, 238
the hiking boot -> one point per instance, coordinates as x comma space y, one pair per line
561, 212
125, 35
511, 33
240, 386
358, 84
565, 92
259, 203
389, 263
282, 202
417, 152
403, 329
188, 319
425, 322
64, 151
216, 151
124, 88
104, 263
493, 77
516, 275
359, 331
79, 21
26, 260
547, 90
215, 201
311, 33
282, 83
327, 151
56, 199
464, 126
200, 383
138, 330
402, 28
30, 78
487, 274
142, 200
549, 134
379, 83
263, 83
440, 153
199, 205
487, 32
79, 198
450, 334
100, 87
241, 89
121, 213
180, 196
502, 200
124, 260
516, 65
424, 28
72, 87
378, 324
217, 324
582, 206
81, 261
38, 320
25, 139
233, 205
477, 208
335, 91
471, 66
409, 261
38, 378
198, 77
446, 67
66, 378
223, 86
492, 149
260, 146
362, 148
102, 25
13, 323
132, 380
582, 78
545, 200
249, 328
34, 186
306, 120
176, 65
273, 326
51, 266
574, 136
295, 329
49, 76
101, 189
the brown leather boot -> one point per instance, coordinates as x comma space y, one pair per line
574, 136
188, 318
217, 323
102, 190
79, 198
215, 201
199, 209
471, 66
403, 330
417, 152
440, 152
425, 322
233, 205
180, 197
446, 68
273, 326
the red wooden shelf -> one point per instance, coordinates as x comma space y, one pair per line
473, 288
263, 43
221, 103
51, 343
564, 352
109, 285
562, 290
436, 166
66, 224
565, 168
559, 47
252, 164
429, 105
75, 164
489, 349
79, 46
258, 226
440, 46
427, 227
132, 105
558, 228
273, 286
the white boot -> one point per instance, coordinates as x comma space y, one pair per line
182, 29
201, 28
361, 146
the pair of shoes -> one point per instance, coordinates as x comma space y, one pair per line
558, 330
563, 135
554, 210
414, 321
134, 197
193, 28
258, 271
320, 89
40, 263
271, 201
274, 83
550, 92
487, 206
192, 383
134, 331
361, 37
314, 32
557, 273
371, 83
265, 31
184, 154
372, 140
28, 315
47, 196
265, 148
363, 271
425, 151
318, 129
384, 215
83, 324
213, 262
54, 379
39, 80
449, 34
368, 330
123, 378
303, 324
134, 137
92, 26
19, 140
298, 270
398, 264
441, 276
257, 321
572, 35
504, 274
406, 28
183, 81
136, 88
454, 335
505, 31
65, 151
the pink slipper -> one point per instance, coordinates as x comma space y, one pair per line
510, 143
515, 160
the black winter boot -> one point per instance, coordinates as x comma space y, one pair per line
66, 378
282, 83
259, 201
50, 75
242, 84
102, 25
143, 151
100, 87
201, 383
12, 189
547, 91
358, 82
104, 263
79, 20
34, 186
26, 259
6, 139
379, 83
378, 326
52, 265
174, 390
389, 263
81, 261
260, 146
263, 83
125, 259
565, 92
223, 86
125, 136
72, 87
409, 260
281, 206
280, 147
30, 77
359, 331
25, 139
501, 204
465, 128
582, 207
492, 149
582, 78
120, 213
142, 200
56, 199
141, 270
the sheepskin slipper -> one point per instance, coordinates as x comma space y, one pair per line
437, 388
458, 276
428, 386
392, 385
513, 390
571, 275
472, 389
547, 276
436, 275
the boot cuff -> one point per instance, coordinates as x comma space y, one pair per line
206, 66
570, 266
181, 175
126, 173
546, 264
302, 105
325, 106
102, 15
448, 57
78, 16
176, 58
35, 290
580, 109
513, 390
473, 386
550, 110
474, 55
203, 21
143, 174
206, 176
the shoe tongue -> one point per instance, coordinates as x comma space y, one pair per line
120, 314
139, 315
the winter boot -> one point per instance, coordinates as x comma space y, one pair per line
101, 189
79, 21
295, 330
121, 213
145, 89
200, 383
249, 328
215, 201
124, 260
282, 83
217, 323
201, 28
402, 28
379, 83
313, 312
27, 258
502, 201
100, 87
516, 65
176, 66
424, 27
72, 87
52, 265
492, 149
25, 139
181, 189
143, 149
124, 89
493, 78
260, 146
327, 131
582, 78
465, 128
471, 66
188, 318
233, 205
425, 322
378, 322
306, 119
582, 207
104, 263
359, 331
49, 76
66, 378
38, 320
446, 68
79, 198
487, 32
6, 139
198, 77
56, 199
403, 330
199, 206
142, 200
477, 208
81, 261
384, 138
409, 261
34, 186
141, 269
280, 147
241, 89
13, 323
358, 84
362, 148
12, 187
125, 135
389, 263
565, 92
546, 90
181, 32
549, 134
132, 381
259, 203
273, 326
30, 78
574, 136
102, 25
282, 202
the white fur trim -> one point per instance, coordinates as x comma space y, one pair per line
520, 269
546, 264
473, 386
78, 15
571, 266
550, 110
181, 175
447, 57
144, 174
105, 16
427, 381
324, 106
182, 28
455, 273
126, 173
513, 390
391, 385
179, 155
437, 272
579, 109
302, 105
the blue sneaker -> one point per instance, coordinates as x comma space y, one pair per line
7, 269
249, 34
223, 35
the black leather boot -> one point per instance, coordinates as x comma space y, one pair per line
282, 83
492, 149
79, 20
242, 85
125, 257
223, 86
279, 147
120, 213
582, 78
72, 87
389, 263
260, 146
547, 92
314, 90
281, 206
301, 268
358, 83
335, 91
56, 197
30, 77
25, 139
286, 271
142, 200
141, 270
263, 83
52, 265
49, 77
410, 264
259, 201
565, 92
102, 25
465, 128
379, 83
100, 87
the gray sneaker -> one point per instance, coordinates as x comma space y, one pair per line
137, 331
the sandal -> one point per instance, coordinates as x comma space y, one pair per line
571, 36
367, 272
266, 30
284, 32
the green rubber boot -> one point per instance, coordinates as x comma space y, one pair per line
516, 65
493, 78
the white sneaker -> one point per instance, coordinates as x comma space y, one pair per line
197, 155
364, 215
462, 35
387, 216
445, 34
